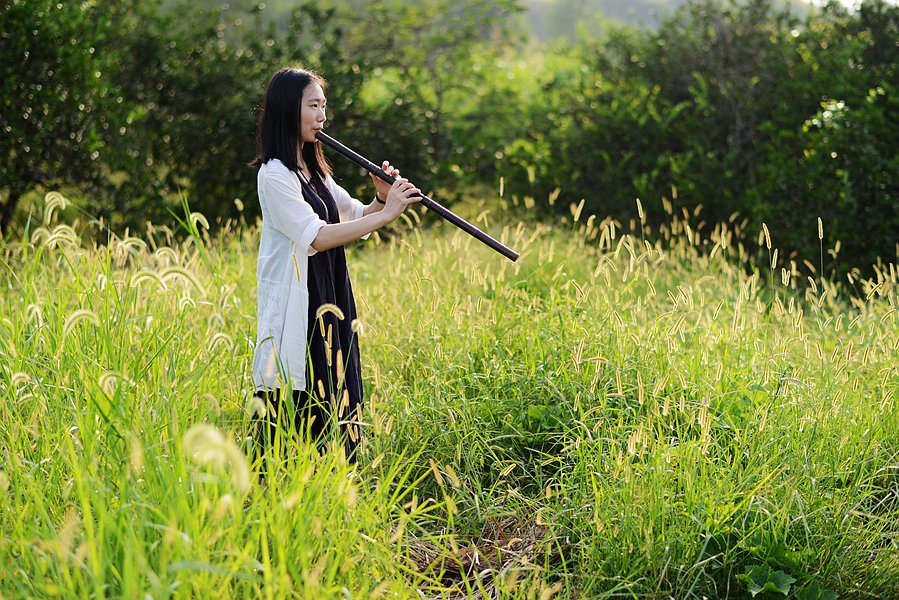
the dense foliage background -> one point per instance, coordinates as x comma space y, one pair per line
750, 107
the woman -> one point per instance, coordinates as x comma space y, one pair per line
305, 341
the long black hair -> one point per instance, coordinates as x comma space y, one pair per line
278, 130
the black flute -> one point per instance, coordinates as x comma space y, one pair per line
430, 203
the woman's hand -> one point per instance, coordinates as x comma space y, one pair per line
399, 196
381, 186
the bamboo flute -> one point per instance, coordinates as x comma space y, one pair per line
433, 205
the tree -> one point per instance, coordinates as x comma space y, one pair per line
840, 160
192, 75
191, 78
431, 70
54, 90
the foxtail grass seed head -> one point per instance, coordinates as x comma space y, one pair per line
198, 219
208, 447
554, 195
184, 275
136, 460
767, 235
19, 379
358, 327
329, 356
65, 539
34, 314
271, 361
219, 338
53, 201
344, 406
329, 308
108, 383
436, 472
62, 236
225, 507
145, 274
166, 256
256, 407
576, 210
82, 314
186, 302
820, 229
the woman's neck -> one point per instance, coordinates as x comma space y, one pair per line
304, 168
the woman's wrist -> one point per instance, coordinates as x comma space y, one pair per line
379, 201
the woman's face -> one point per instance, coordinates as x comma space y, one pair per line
312, 112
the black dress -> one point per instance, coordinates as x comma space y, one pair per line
332, 401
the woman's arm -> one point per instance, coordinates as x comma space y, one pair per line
400, 195
282, 202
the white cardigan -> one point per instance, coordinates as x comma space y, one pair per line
289, 226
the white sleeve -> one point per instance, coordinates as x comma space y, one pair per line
289, 212
350, 209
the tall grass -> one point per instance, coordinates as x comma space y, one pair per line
607, 417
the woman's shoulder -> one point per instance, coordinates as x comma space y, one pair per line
275, 170
274, 166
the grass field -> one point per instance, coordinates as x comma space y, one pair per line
604, 418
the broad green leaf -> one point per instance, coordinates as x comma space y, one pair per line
760, 578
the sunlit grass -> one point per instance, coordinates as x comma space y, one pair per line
607, 416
